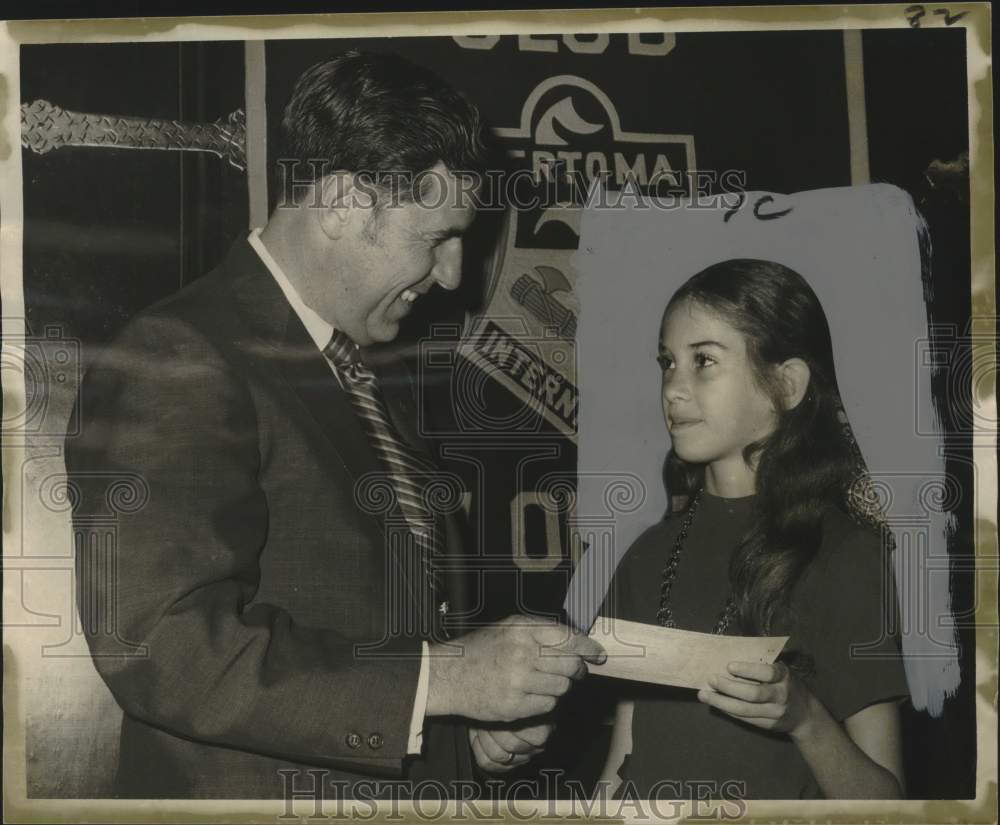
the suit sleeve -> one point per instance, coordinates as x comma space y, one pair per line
181, 644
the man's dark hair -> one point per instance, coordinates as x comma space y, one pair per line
377, 116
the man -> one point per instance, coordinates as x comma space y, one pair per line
283, 590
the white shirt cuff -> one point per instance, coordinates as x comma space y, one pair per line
416, 740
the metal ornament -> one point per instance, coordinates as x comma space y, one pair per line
45, 127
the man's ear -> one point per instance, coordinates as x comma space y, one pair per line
794, 376
341, 201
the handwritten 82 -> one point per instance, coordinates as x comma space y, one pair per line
914, 14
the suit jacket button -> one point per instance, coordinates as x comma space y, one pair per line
375, 741
353, 740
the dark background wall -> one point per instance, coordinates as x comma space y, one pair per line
917, 114
109, 231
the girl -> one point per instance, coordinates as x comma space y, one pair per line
770, 542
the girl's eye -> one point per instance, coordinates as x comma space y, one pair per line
701, 359
665, 362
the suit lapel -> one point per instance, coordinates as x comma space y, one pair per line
402, 400
398, 393
314, 384
283, 349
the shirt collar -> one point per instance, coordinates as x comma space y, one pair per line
319, 330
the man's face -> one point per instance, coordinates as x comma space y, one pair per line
394, 256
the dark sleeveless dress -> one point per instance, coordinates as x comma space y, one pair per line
683, 749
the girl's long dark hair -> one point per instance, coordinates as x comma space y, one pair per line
808, 462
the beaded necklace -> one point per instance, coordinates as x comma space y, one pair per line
665, 615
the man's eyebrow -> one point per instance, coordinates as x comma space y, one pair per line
444, 233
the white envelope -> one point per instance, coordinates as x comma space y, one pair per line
663, 656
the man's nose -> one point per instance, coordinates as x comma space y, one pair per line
448, 267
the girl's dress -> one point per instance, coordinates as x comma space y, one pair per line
683, 749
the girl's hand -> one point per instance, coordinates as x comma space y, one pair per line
766, 696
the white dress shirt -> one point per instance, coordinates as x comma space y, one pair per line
321, 332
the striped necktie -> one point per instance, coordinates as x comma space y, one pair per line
408, 470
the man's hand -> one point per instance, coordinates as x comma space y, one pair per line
516, 668
501, 749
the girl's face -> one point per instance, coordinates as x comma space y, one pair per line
711, 403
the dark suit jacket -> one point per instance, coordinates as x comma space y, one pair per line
226, 613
